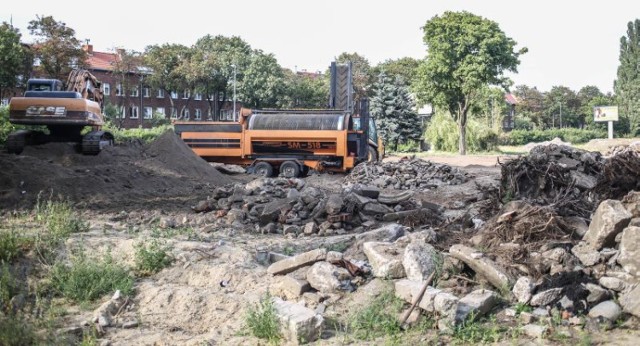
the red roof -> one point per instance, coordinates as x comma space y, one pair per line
102, 61
510, 99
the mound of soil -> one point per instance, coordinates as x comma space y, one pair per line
129, 175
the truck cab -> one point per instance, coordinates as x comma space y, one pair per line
38, 84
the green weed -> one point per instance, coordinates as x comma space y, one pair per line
15, 331
87, 279
11, 245
472, 332
60, 221
262, 320
521, 307
152, 258
8, 288
377, 319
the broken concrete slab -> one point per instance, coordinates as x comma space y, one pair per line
407, 290
587, 255
612, 283
629, 257
482, 265
523, 289
477, 304
546, 297
389, 232
334, 204
629, 301
290, 264
298, 324
632, 203
327, 278
420, 260
273, 209
608, 220
385, 259
607, 309
291, 287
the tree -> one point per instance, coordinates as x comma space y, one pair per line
56, 47
394, 110
563, 106
128, 63
465, 53
304, 90
263, 82
12, 56
404, 67
627, 86
164, 62
530, 105
363, 77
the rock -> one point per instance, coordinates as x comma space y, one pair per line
293, 193
629, 257
583, 181
555, 255
587, 255
130, 324
275, 257
298, 324
290, 264
273, 209
389, 233
630, 302
102, 315
375, 208
577, 224
632, 203
419, 261
523, 289
291, 287
540, 312
407, 290
609, 219
527, 317
596, 293
392, 198
607, 309
446, 304
566, 303
612, 283
385, 259
291, 229
477, 303
310, 228
204, 206
334, 256
482, 265
366, 191
334, 204
167, 222
535, 331
357, 200
235, 215
257, 184
327, 278
545, 297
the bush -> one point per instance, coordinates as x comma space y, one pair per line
87, 279
8, 288
262, 320
153, 258
144, 135
5, 127
60, 221
377, 319
11, 245
574, 136
16, 331
443, 135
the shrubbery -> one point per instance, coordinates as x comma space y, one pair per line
442, 133
574, 136
145, 135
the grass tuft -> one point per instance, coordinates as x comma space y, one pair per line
152, 258
377, 319
262, 320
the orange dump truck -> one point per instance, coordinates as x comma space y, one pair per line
287, 141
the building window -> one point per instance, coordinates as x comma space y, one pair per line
160, 110
134, 92
119, 91
145, 92
197, 97
134, 112
106, 89
160, 94
185, 113
174, 94
123, 112
186, 94
174, 113
198, 114
148, 112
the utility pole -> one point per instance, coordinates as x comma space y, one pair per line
235, 69
560, 114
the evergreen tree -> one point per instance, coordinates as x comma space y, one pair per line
395, 114
11, 57
627, 86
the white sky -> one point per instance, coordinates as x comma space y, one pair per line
572, 43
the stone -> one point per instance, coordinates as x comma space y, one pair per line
407, 290
527, 317
167, 222
273, 209
419, 261
540, 312
291, 229
446, 304
293, 193
582, 180
334, 204
327, 278
566, 303
292, 287
357, 200
310, 228
334, 256
204, 206
632, 203
385, 259
596, 293
535, 331
298, 324
607, 309
629, 301
629, 257
257, 184
577, 224
482, 266
477, 303
389, 233
608, 220
523, 289
275, 257
545, 297
292, 263
375, 208
587, 255
235, 215
614, 284
367, 191
555, 255
130, 324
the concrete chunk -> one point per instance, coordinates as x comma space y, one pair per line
482, 265
385, 259
546, 297
523, 289
630, 302
407, 290
587, 255
477, 303
291, 287
290, 264
326, 278
629, 257
609, 219
298, 324
607, 309
419, 261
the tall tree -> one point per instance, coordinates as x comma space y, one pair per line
263, 82
56, 47
563, 106
11, 58
164, 62
394, 110
465, 52
586, 96
404, 67
531, 105
304, 90
627, 86
363, 76
128, 76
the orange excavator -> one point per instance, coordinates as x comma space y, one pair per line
64, 110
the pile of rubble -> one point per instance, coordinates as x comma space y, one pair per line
407, 174
289, 207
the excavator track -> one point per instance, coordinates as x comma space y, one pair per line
16, 141
94, 141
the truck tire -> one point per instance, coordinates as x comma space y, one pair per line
264, 169
290, 169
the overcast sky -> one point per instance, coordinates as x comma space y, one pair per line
571, 43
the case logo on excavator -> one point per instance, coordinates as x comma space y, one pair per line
54, 111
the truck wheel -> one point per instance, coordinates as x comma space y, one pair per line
372, 154
264, 169
290, 169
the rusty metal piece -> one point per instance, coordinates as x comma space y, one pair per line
339, 217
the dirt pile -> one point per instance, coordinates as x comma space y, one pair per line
129, 175
407, 174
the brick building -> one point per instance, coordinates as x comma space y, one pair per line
137, 104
